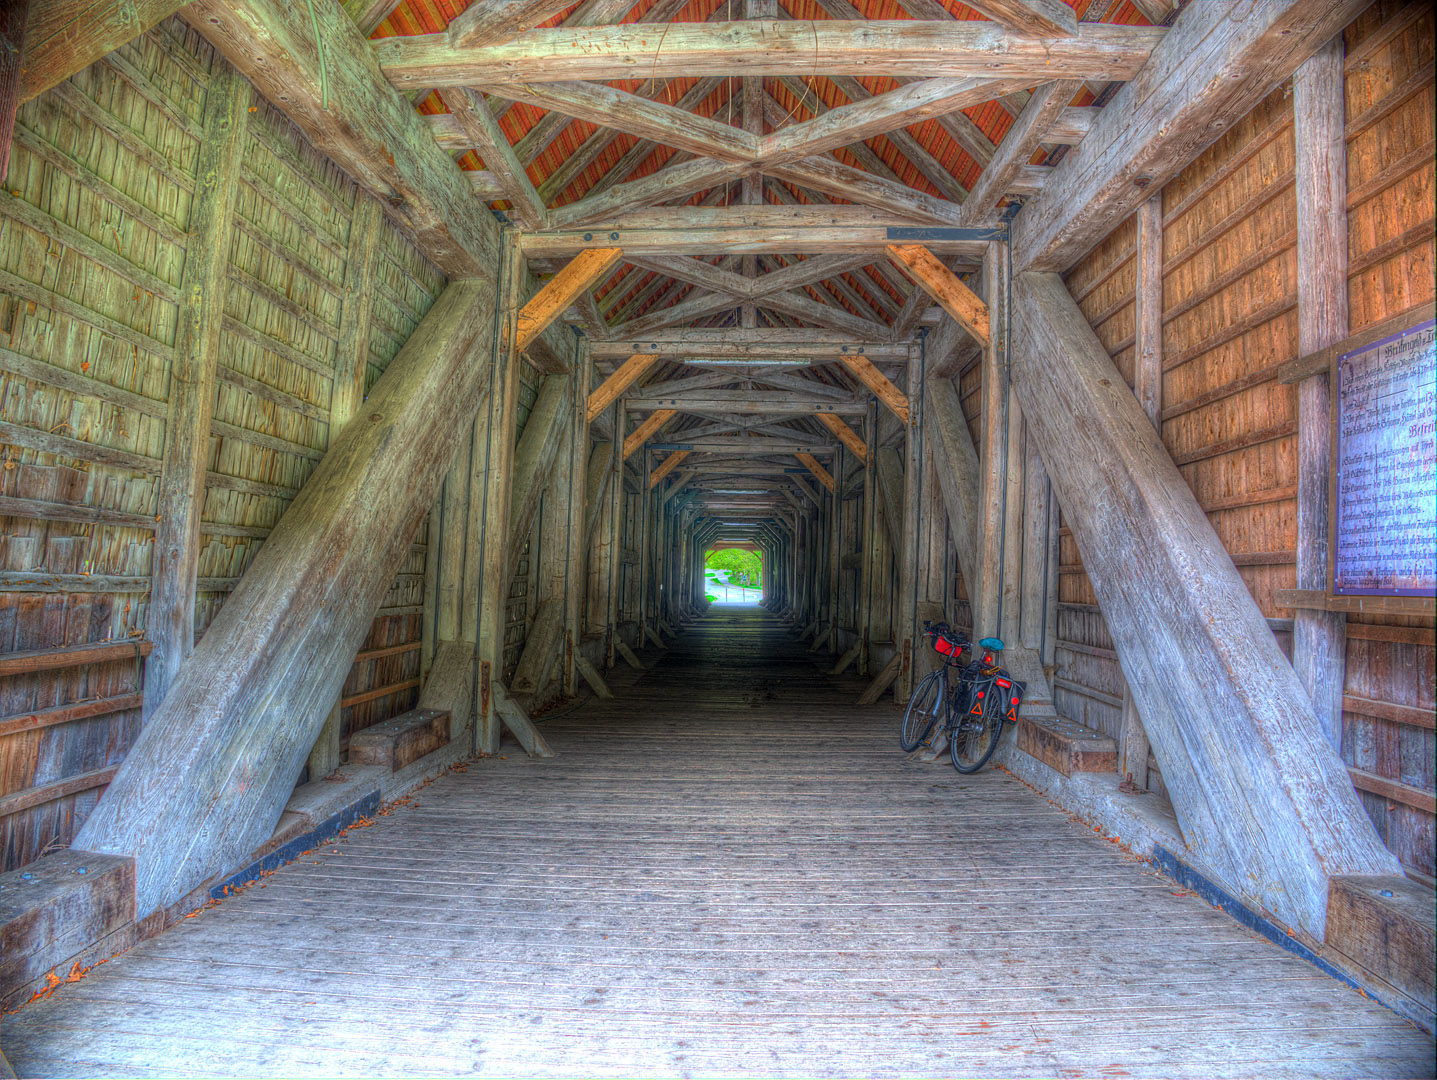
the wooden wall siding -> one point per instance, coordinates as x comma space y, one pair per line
94, 214
1230, 320
1390, 660
92, 226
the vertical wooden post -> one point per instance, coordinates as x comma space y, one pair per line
1133, 746
351, 370
13, 16
835, 548
616, 536
996, 596
1319, 638
174, 564
497, 466
867, 574
906, 629
575, 571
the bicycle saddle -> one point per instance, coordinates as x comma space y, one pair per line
992, 644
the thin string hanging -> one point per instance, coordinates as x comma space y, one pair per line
319, 48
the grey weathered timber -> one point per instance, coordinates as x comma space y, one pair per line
170, 622
487, 21
537, 660
591, 676
996, 590
1319, 638
208, 777
518, 722
1165, 116
1262, 798
63, 37
533, 463
1133, 743
492, 513
921, 48
574, 486
768, 343
482, 130
956, 461
450, 686
351, 368
1028, 132
376, 137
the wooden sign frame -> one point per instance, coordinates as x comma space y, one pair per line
1416, 321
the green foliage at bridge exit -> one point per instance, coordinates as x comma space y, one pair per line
737, 561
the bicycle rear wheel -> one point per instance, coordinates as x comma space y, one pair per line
976, 736
924, 709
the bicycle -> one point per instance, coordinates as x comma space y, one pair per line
972, 709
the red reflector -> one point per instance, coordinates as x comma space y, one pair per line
980, 693
1016, 703
1004, 683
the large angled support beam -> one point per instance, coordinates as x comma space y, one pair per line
647, 430
534, 463
1165, 117
63, 37
866, 372
1263, 801
482, 130
376, 136
487, 22
209, 776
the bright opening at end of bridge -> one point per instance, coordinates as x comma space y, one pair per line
733, 575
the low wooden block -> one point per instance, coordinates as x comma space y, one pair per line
1067, 746
1391, 936
402, 740
54, 909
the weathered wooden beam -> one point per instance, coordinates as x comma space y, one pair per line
737, 230
925, 49
536, 661
763, 344
487, 22
483, 133
667, 466
743, 402
811, 464
170, 623
1262, 799
1029, 131
646, 430
1030, 18
955, 460
749, 445
929, 273
63, 37
518, 722
611, 388
13, 17
1165, 117
533, 464
867, 373
376, 137
1319, 638
209, 775
846, 435
582, 271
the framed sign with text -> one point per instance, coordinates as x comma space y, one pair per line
1383, 517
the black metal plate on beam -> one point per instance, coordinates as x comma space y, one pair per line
918, 234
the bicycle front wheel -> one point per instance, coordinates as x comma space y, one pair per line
924, 709
977, 735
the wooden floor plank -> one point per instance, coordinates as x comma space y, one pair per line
728, 870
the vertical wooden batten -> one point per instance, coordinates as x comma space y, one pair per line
171, 619
1319, 638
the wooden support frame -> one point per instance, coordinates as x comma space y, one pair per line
810, 462
628, 373
666, 466
582, 271
482, 130
929, 273
846, 435
647, 430
866, 372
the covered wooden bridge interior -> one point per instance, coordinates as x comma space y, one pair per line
375, 377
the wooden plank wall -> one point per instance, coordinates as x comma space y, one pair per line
93, 223
1229, 322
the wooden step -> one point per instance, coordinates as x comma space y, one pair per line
402, 740
1066, 745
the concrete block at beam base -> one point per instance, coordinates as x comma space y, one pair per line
69, 907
